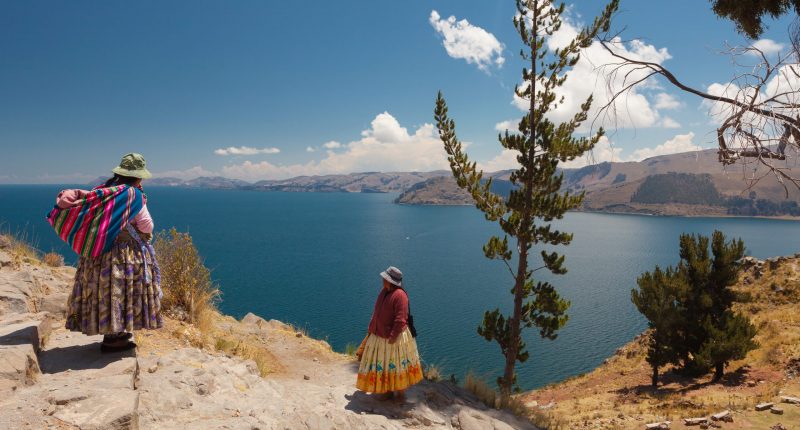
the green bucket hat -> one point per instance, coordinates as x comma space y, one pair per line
132, 165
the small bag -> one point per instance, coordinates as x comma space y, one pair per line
410, 320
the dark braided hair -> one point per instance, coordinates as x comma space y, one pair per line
120, 180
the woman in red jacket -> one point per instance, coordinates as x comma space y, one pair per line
389, 357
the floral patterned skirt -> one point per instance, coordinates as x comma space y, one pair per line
113, 293
389, 367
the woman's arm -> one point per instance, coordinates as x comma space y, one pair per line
143, 221
400, 305
68, 198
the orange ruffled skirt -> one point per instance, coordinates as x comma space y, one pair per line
389, 367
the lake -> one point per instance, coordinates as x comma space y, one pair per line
312, 259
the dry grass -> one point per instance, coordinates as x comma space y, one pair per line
482, 390
53, 259
21, 247
247, 350
189, 293
432, 372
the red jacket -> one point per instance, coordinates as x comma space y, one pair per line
390, 316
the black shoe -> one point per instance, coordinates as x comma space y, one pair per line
106, 349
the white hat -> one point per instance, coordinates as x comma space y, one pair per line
393, 275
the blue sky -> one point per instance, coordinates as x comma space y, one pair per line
307, 87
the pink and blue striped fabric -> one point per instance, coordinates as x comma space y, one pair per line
93, 223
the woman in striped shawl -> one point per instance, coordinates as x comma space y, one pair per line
117, 284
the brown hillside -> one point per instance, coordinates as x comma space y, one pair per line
617, 395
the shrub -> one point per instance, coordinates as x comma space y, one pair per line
483, 391
189, 293
53, 259
432, 372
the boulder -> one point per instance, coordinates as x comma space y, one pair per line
5, 259
18, 366
253, 319
790, 400
28, 328
722, 416
764, 406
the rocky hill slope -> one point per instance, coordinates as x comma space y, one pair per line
51, 378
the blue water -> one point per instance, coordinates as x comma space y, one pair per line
313, 260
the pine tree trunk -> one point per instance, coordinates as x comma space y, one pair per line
719, 371
514, 323
654, 379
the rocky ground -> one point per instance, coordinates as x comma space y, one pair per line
51, 378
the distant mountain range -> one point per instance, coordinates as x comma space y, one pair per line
690, 183
366, 182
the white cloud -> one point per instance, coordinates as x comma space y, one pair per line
386, 146
466, 41
668, 122
510, 125
667, 101
191, 173
588, 77
679, 143
603, 151
245, 150
507, 159
332, 145
767, 46
310, 149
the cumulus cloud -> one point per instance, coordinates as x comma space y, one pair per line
332, 145
602, 152
190, 173
668, 122
310, 149
385, 146
471, 43
605, 150
245, 150
667, 101
679, 143
510, 125
507, 159
634, 109
767, 46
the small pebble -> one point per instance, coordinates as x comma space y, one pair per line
306, 377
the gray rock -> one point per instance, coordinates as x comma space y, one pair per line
253, 319
18, 366
5, 259
112, 409
55, 303
17, 329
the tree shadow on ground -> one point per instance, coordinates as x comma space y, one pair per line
672, 382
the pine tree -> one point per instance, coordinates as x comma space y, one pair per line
535, 199
690, 308
718, 334
658, 299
